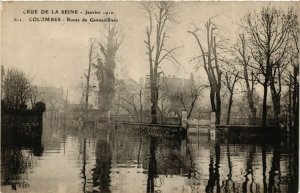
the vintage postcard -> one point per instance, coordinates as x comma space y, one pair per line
150, 96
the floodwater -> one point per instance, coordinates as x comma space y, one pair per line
119, 159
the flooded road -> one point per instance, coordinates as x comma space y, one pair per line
118, 159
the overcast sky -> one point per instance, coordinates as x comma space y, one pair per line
56, 54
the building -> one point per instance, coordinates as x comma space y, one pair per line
170, 90
52, 97
128, 97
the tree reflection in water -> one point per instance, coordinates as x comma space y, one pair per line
16, 165
84, 165
229, 180
264, 166
214, 176
275, 170
249, 171
152, 166
123, 160
18, 146
101, 172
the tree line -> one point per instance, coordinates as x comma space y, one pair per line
18, 91
264, 54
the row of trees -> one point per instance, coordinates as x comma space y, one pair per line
270, 47
266, 53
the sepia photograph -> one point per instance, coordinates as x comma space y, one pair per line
149, 96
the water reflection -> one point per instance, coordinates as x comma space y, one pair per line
16, 164
152, 166
18, 147
101, 172
112, 158
229, 185
249, 178
214, 177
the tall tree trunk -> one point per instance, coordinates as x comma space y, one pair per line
212, 99
250, 94
290, 107
218, 104
141, 106
210, 60
154, 98
229, 108
296, 124
153, 113
276, 101
252, 107
264, 111
163, 16
87, 91
296, 98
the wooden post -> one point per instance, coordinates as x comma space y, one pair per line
212, 129
183, 119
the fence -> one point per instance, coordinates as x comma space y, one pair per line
247, 121
146, 119
198, 122
201, 118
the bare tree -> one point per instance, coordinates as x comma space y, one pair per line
16, 88
294, 75
34, 93
92, 56
188, 98
231, 77
267, 34
291, 77
120, 87
82, 99
131, 104
294, 58
160, 16
128, 97
177, 95
165, 105
244, 59
211, 64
